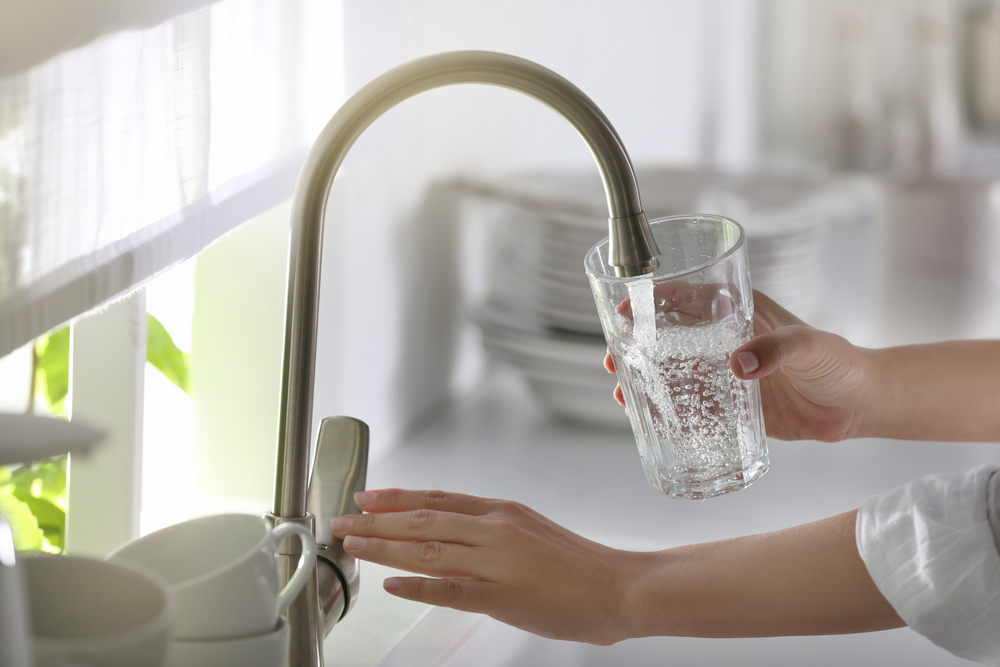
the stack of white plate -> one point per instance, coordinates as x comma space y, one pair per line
786, 220
538, 314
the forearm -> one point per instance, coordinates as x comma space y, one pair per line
941, 391
807, 580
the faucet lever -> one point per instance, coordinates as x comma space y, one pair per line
339, 471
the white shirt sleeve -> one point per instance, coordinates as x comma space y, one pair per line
932, 552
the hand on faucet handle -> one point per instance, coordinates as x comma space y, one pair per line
493, 557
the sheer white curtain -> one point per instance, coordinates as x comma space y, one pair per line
125, 156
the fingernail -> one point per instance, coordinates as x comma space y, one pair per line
748, 361
392, 584
364, 498
341, 524
354, 543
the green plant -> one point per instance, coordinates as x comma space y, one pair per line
52, 369
27, 536
33, 497
37, 491
163, 353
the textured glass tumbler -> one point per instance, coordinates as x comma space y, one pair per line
699, 428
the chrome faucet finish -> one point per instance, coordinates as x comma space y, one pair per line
339, 470
633, 252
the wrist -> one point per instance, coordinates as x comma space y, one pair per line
687, 591
876, 397
641, 604
674, 593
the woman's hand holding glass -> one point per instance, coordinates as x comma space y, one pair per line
814, 384
494, 557
817, 385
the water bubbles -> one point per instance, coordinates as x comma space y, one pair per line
695, 408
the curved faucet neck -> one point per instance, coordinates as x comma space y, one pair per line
633, 249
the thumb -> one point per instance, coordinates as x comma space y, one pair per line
789, 346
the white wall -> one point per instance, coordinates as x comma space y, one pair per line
236, 351
648, 64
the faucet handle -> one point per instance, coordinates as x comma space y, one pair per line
339, 471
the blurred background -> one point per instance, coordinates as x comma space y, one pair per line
148, 152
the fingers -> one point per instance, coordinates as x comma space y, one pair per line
781, 338
401, 500
609, 364
421, 524
765, 354
401, 530
438, 559
461, 594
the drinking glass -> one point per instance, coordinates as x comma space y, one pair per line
699, 428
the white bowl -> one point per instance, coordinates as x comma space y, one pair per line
88, 612
265, 650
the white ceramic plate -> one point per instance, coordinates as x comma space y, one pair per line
25, 438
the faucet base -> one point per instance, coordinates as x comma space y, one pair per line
339, 471
305, 648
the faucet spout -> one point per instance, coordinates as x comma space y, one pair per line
632, 252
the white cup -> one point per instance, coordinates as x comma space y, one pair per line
267, 650
223, 570
89, 613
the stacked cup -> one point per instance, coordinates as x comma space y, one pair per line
223, 573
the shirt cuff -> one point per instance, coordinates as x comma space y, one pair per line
930, 550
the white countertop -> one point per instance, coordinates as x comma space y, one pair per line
496, 442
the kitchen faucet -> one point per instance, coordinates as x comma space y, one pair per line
341, 453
